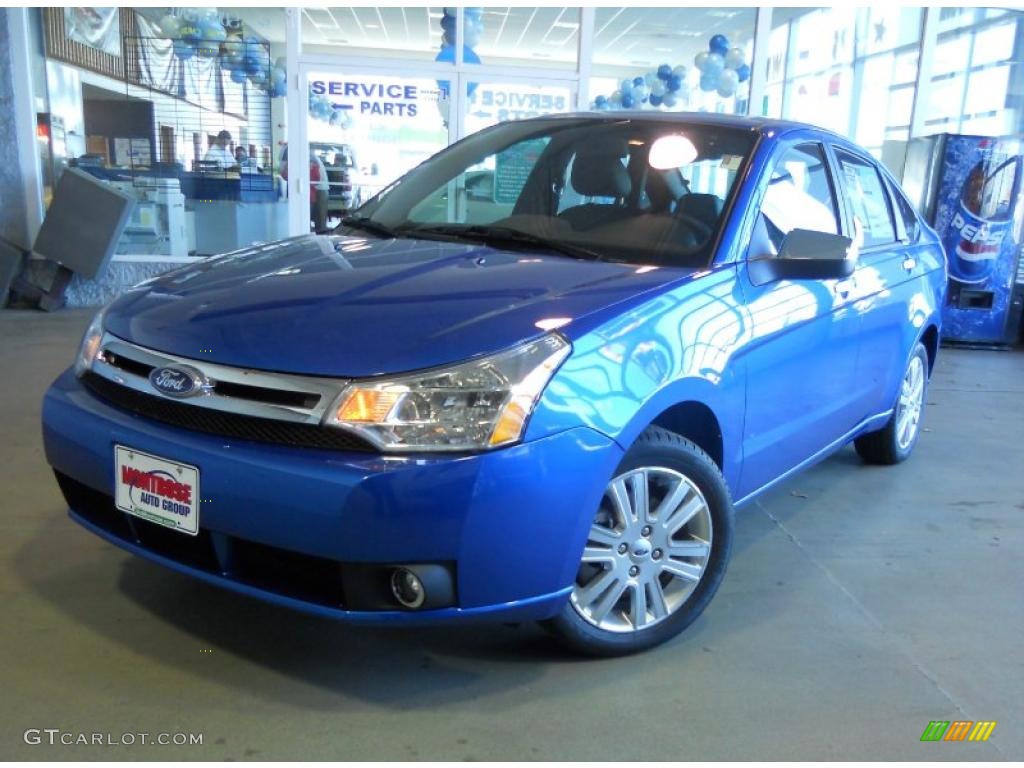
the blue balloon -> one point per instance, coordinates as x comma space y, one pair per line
708, 82
638, 81
664, 72
473, 14
718, 44
183, 50
189, 32
743, 72
627, 100
447, 54
674, 83
448, 24
655, 100
238, 75
601, 102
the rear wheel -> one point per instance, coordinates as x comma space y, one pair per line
657, 550
896, 440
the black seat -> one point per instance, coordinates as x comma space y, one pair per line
597, 171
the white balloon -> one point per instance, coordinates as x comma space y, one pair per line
727, 82
650, 78
680, 72
640, 92
734, 58
471, 33
658, 88
713, 64
700, 60
669, 99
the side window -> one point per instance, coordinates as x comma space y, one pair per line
866, 192
799, 196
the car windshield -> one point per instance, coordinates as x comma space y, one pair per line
632, 190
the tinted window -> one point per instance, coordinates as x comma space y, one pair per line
799, 196
866, 191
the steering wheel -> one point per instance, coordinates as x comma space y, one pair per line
700, 228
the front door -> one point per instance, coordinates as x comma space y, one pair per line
801, 360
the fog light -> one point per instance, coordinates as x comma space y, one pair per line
407, 588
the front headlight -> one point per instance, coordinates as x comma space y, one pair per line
90, 346
479, 404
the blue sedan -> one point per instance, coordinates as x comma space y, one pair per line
531, 380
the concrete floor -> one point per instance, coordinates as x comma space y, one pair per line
861, 604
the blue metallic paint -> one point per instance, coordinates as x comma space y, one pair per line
791, 371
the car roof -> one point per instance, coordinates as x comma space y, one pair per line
763, 125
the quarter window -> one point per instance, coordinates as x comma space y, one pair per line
871, 214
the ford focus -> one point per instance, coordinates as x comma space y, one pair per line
530, 380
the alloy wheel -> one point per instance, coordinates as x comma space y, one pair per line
908, 410
648, 547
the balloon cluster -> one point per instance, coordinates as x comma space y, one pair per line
202, 32
663, 87
722, 68
472, 28
321, 108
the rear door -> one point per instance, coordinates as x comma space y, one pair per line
801, 359
889, 267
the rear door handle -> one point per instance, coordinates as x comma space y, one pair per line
909, 263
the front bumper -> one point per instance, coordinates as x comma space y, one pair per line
511, 523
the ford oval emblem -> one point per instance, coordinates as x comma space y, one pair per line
177, 380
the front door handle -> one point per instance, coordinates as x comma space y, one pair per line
909, 263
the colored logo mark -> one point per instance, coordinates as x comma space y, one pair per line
958, 730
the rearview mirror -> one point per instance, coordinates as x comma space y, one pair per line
806, 255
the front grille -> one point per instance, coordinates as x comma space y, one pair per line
306, 400
303, 577
223, 423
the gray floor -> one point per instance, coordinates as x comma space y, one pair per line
861, 604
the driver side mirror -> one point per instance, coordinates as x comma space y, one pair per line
806, 255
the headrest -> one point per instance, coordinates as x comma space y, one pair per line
597, 170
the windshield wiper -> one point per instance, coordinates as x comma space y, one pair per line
510, 236
367, 224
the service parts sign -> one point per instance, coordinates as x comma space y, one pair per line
381, 97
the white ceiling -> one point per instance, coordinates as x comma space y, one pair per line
623, 36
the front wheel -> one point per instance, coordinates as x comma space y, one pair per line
657, 550
896, 440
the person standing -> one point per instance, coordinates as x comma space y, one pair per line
219, 153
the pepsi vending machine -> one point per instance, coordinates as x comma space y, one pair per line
970, 189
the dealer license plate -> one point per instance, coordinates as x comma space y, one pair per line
157, 489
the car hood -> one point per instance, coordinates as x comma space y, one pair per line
353, 306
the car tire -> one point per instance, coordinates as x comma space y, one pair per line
895, 441
688, 509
